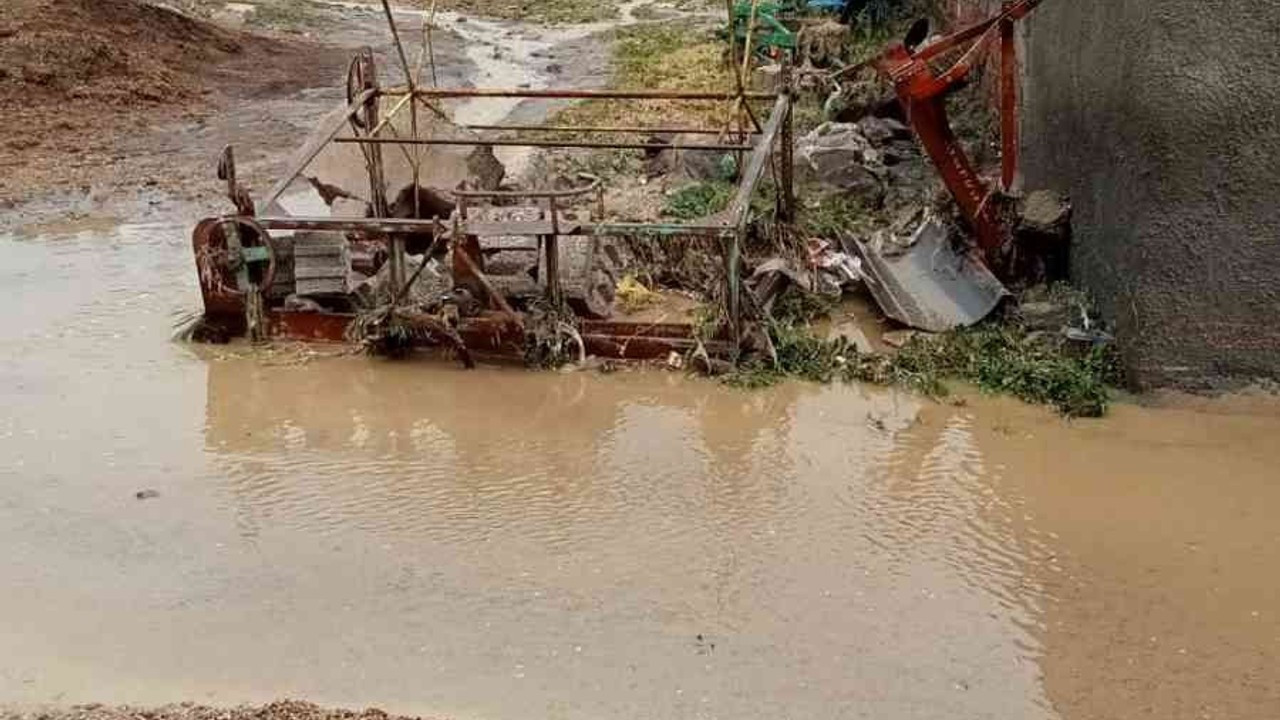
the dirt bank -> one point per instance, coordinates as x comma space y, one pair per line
82, 102
283, 710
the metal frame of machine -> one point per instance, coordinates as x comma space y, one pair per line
228, 247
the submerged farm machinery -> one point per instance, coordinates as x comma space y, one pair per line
432, 249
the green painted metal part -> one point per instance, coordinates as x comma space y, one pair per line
255, 254
770, 33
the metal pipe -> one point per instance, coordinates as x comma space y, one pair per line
723, 147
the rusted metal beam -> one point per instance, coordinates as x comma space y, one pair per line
720, 147
787, 161
565, 94
1008, 105
601, 129
390, 226
492, 334
380, 226
662, 229
324, 135
591, 187
740, 209
461, 255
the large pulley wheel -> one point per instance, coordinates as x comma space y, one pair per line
253, 248
362, 75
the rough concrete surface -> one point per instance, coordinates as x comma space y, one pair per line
1160, 120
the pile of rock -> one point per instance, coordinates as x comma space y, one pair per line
875, 159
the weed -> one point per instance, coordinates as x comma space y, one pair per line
827, 214
995, 357
698, 200
547, 11
658, 57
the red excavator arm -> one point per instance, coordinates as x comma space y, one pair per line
922, 92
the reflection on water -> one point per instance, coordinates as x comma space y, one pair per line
503, 544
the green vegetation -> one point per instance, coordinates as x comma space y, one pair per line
659, 57
543, 11
996, 356
698, 200
286, 15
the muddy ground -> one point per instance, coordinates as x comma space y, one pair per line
282, 710
133, 130
94, 120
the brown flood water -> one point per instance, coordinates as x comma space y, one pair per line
509, 545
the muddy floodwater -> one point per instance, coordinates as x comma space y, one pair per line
508, 545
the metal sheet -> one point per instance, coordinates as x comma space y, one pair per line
929, 285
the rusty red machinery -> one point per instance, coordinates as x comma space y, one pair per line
240, 257
922, 92
243, 258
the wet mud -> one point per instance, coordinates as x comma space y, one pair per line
230, 525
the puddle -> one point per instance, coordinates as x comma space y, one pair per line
503, 544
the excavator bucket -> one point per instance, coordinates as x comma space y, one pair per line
928, 284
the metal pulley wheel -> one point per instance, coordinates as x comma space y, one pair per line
362, 75
250, 246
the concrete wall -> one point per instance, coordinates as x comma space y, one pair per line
1161, 119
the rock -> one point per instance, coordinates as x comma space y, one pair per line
485, 168
881, 130
899, 338
1043, 237
853, 334
1044, 211
858, 100
696, 165
840, 156
349, 208
1045, 315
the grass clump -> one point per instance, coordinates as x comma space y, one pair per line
543, 11
1005, 358
995, 356
827, 214
658, 57
698, 200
